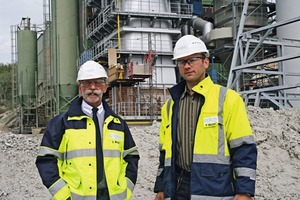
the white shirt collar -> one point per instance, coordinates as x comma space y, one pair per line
87, 109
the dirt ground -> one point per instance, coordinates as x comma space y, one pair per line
278, 175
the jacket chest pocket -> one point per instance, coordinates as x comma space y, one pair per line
113, 140
208, 135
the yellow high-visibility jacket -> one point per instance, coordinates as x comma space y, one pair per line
67, 156
224, 152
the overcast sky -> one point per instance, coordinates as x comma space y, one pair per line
11, 13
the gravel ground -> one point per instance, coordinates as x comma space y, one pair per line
278, 175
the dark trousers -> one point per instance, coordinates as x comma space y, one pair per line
102, 194
183, 185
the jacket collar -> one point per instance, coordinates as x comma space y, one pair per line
202, 87
75, 108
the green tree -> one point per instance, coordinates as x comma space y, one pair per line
5, 86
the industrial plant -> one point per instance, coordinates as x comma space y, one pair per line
254, 47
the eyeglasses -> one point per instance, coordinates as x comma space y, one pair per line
191, 61
96, 83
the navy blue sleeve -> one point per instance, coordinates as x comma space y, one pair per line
47, 164
132, 160
159, 186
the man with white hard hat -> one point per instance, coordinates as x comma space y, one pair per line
88, 152
207, 148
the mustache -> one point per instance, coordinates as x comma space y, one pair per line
97, 92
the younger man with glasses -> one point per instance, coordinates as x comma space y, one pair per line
207, 149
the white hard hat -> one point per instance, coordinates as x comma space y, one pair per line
91, 70
188, 45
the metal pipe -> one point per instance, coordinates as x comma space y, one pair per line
203, 25
118, 29
119, 35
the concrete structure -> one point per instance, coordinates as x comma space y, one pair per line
254, 47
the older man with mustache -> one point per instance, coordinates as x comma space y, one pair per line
88, 152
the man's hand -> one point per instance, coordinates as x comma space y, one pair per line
160, 196
242, 197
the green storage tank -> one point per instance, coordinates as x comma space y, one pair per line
65, 36
27, 63
40, 54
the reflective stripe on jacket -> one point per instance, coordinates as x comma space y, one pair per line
67, 156
224, 153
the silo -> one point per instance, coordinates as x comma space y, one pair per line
65, 36
289, 33
40, 54
46, 78
137, 40
27, 62
46, 73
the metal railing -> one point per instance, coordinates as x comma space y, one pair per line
150, 7
138, 45
140, 8
137, 110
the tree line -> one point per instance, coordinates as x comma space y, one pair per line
5, 87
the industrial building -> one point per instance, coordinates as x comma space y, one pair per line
254, 46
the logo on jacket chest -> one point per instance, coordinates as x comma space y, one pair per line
211, 121
115, 138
